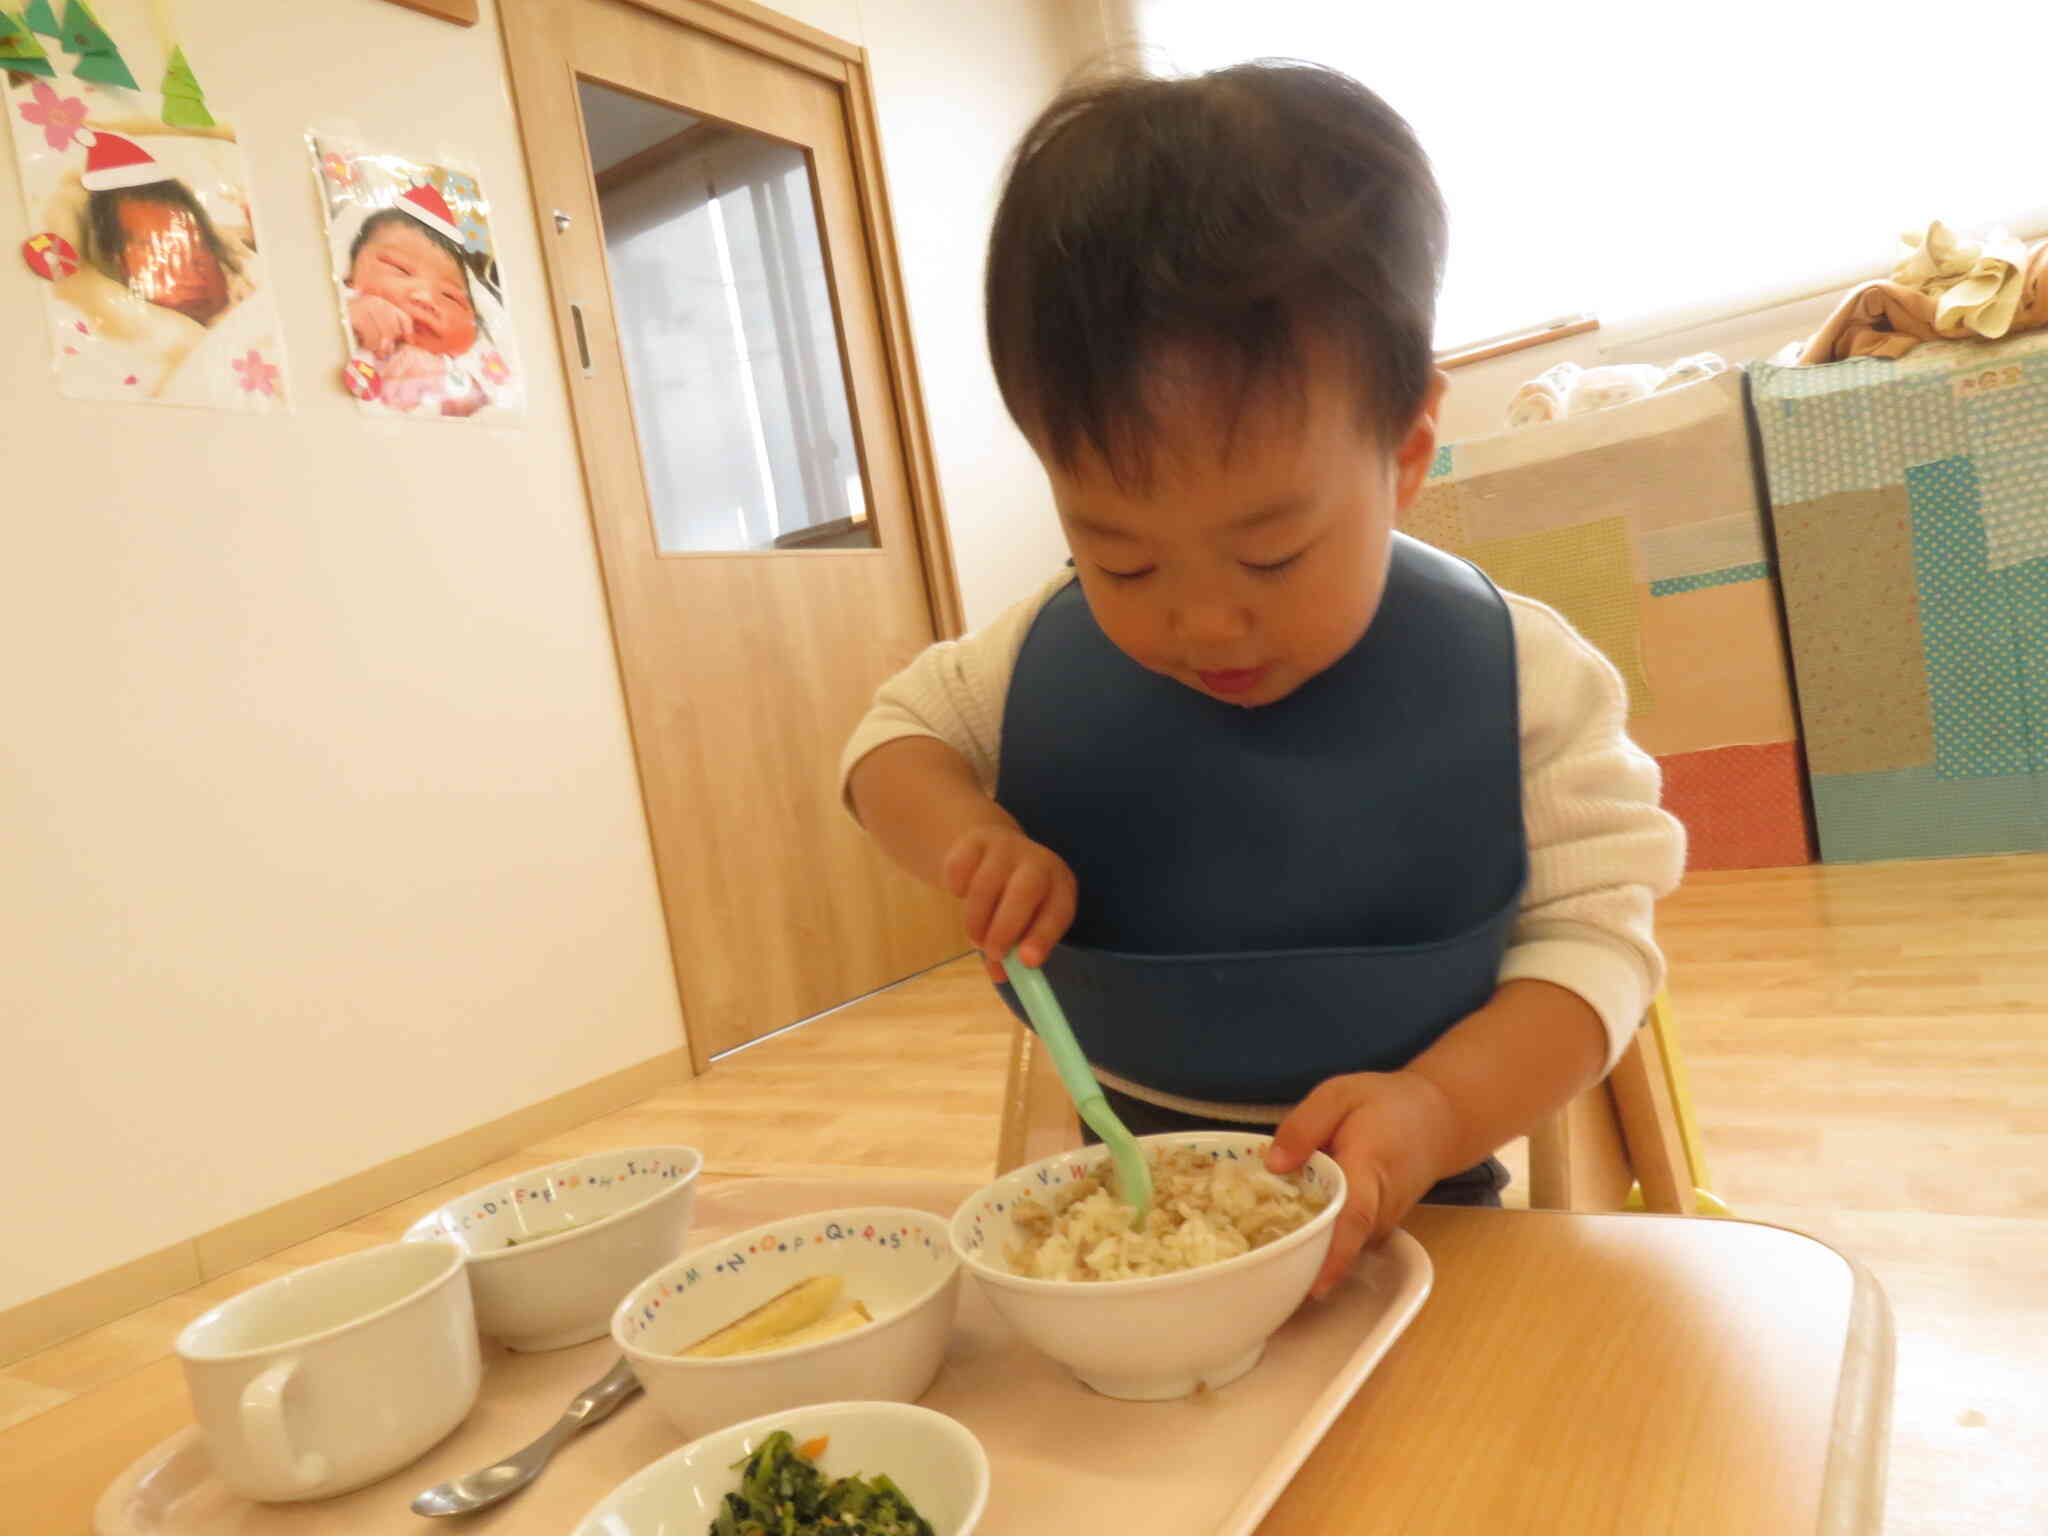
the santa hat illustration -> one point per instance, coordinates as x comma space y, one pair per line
427, 205
112, 162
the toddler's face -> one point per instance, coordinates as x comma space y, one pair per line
1244, 574
404, 267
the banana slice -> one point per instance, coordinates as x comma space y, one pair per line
855, 1316
803, 1304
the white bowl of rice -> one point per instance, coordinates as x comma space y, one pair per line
1228, 1252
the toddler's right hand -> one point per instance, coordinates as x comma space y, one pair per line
1014, 893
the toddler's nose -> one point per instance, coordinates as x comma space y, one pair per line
1212, 623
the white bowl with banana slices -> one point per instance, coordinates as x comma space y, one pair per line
843, 1304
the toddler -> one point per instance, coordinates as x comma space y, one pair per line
1309, 825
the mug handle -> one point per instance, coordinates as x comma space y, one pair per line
263, 1429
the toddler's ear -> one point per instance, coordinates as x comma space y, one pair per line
1417, 448
1439, 386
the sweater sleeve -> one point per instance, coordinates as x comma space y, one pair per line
1601, 850
954, 692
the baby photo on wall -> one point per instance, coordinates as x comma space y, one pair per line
416, 272
154, 289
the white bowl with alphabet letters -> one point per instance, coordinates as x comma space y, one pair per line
897, 1264
552, 1250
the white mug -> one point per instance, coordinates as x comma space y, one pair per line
324, 1380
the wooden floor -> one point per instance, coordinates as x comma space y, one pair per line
1868, 1048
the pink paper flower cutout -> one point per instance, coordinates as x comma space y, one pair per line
496, 369
338, 170
257, 376
60, 117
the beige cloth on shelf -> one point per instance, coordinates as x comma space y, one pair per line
1975, 284
1543, 397
1566, 389
1942, 289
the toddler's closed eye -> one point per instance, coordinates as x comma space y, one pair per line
1272, 566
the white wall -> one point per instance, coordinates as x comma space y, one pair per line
955, 86
323, 835
324, 840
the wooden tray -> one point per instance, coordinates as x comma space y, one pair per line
1063, 1457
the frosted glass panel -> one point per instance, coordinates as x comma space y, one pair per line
731, 348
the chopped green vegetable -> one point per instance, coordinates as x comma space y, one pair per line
783, 1494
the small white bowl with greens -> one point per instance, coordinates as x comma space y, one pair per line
832, 1469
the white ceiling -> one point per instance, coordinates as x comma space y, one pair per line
619, 125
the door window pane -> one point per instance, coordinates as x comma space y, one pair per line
725, 317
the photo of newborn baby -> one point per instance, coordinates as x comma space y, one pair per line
418, 282
155, 290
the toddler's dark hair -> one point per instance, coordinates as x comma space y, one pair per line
1232, 215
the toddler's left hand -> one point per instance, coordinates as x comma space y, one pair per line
1385, 1130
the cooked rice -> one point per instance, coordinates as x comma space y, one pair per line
1204, 1209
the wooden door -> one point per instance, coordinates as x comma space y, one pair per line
726, 294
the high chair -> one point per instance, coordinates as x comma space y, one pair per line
1626, 1143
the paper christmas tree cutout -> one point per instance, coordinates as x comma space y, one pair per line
19, 50
98, 59
41, 18
184, 101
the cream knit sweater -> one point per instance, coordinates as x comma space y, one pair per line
1600, 850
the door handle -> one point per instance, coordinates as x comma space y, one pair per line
582, 339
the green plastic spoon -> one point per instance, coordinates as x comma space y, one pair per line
1133, 1178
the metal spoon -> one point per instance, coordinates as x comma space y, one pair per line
480, 1490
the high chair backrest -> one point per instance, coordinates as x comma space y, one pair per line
1631, 1129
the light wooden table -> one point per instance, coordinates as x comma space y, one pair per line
1577, 1373
1616, 1373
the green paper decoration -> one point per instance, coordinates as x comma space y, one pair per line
19, 50
82, 32
104, 69
184, 101
98, 59
41, 18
